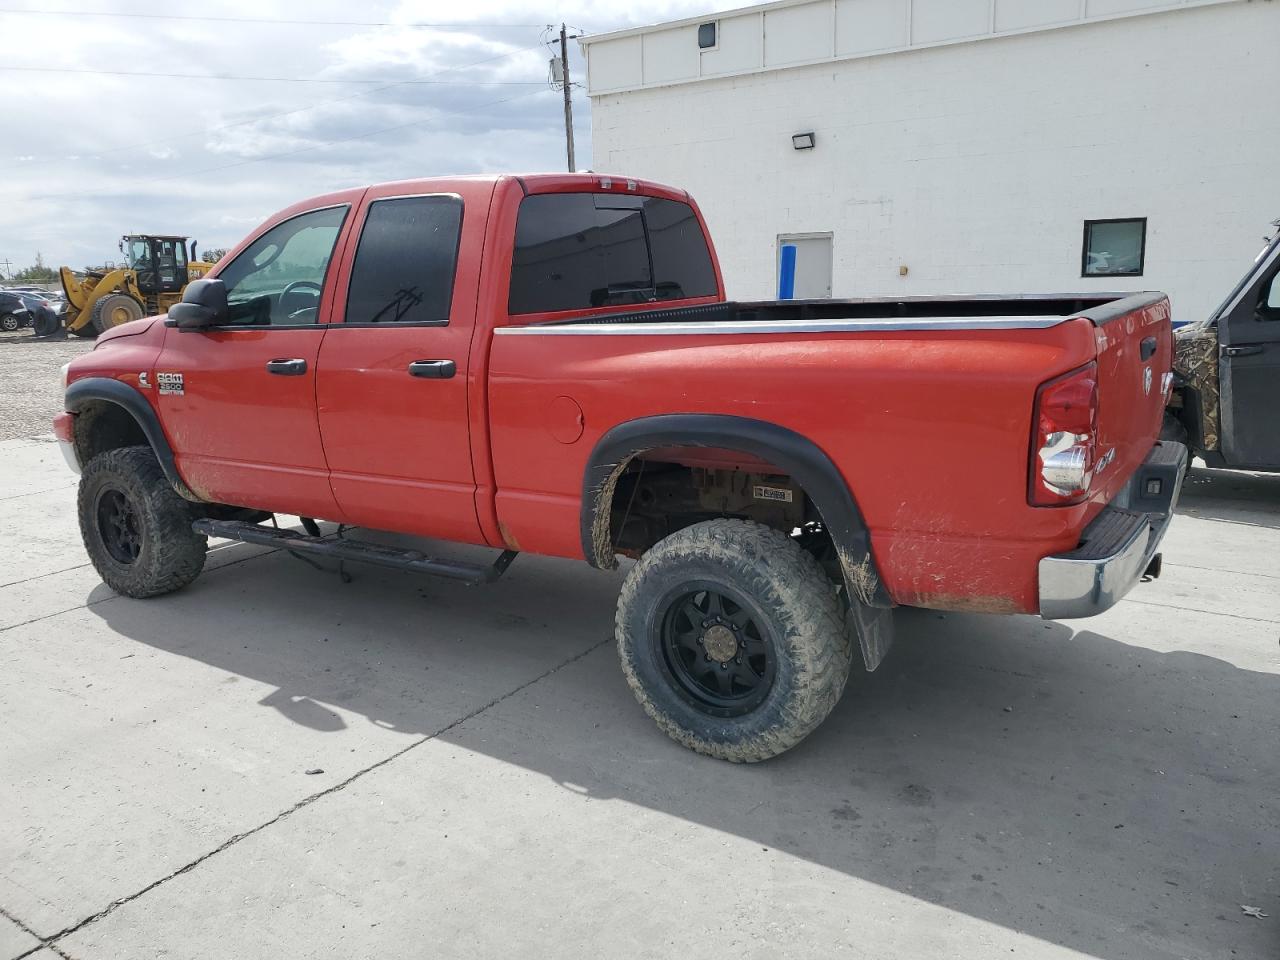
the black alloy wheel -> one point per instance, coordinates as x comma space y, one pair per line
733, 639
716, 650
118, 526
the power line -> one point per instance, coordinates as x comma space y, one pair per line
264, 20
289, 113
228, 76
188, 174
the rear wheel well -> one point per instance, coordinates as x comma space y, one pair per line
652, 497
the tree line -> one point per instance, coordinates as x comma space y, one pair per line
40, 272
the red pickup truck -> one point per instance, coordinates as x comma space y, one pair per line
549, 364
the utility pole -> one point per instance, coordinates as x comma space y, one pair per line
8, 269
568, 97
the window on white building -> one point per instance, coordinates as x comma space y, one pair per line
706, 35
1114, 248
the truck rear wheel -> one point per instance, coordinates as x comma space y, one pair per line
733, 639
1174, 429
115, 309
136, 529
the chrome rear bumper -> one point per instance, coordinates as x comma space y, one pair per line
1119, 545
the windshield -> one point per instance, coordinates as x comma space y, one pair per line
139, 253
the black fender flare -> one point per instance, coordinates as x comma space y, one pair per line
89, 390
800, 457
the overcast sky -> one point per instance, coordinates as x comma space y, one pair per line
88, 154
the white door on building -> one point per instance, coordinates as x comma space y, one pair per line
813, 263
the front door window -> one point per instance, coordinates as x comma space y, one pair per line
1269, 302
278, 279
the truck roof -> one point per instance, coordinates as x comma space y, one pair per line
530, 183
556, 183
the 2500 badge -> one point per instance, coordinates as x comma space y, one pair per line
170, 383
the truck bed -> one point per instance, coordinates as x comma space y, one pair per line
926, 403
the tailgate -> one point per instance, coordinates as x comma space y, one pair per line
1135, 353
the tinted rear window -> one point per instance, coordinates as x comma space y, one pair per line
575, 251
403, 271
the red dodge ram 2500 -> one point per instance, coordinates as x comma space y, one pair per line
548, 364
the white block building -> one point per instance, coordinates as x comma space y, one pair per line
960, 146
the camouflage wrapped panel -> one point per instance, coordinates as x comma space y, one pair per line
1195, 359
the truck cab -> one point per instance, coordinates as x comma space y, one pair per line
1227, 374
159, 262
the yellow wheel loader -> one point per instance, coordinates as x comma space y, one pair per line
155, 272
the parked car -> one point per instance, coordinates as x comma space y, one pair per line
1227, 374
14, 314
42, 312
548, 364
33, 299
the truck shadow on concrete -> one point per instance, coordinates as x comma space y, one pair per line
1233, 496
1087, 791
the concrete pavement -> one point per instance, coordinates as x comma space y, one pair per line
1106, 788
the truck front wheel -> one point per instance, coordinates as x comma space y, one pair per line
733, 639
136, 529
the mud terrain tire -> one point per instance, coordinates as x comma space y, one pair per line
1174, 429
136, 529
794, 639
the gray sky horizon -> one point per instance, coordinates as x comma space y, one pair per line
114, 123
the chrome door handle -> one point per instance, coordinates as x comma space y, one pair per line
295, 367
1242, 351
433, 369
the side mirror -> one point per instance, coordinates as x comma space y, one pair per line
204, 304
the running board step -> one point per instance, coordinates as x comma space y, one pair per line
357, 550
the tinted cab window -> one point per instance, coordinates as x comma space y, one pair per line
575, 251
404, 265
279, 277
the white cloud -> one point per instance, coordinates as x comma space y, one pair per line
213, 158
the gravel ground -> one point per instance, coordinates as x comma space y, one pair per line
30, 391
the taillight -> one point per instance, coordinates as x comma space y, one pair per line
1064, 444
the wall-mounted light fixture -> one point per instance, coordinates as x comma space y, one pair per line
802, 141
